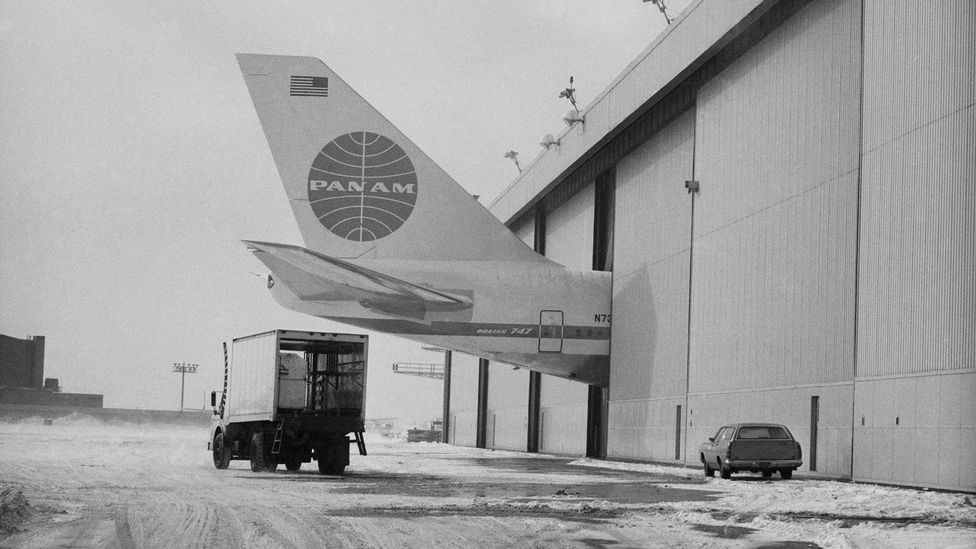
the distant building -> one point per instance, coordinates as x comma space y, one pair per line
22, 362
22, 382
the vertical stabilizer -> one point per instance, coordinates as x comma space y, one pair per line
357, 186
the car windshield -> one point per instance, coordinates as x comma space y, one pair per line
762, 431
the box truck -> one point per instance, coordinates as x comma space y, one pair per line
291, 397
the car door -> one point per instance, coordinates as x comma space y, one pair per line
722, 442
709, 449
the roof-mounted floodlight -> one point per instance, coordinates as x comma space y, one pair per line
548, 141
514, 156
570, 93
573, 116
664, 9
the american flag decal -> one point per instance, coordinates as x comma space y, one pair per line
309, 86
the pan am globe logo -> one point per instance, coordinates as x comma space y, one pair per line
362, 186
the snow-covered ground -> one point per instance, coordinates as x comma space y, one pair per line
84, 483
828, 513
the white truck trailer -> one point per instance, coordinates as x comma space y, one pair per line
291, 397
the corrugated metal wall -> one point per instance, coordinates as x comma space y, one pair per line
650, 279
562, 403
569, 231
650, 294
917, 300
919, 65
915, 396
817, 204
775, 221
773, 296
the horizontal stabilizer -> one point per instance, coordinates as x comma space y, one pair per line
313, 276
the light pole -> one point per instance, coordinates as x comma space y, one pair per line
184, 368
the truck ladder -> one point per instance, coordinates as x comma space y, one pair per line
279, 433
223, 394
360, 443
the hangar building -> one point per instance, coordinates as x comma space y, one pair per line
820, 271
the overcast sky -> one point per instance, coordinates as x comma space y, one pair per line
132, 162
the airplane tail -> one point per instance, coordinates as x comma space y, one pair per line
357, 186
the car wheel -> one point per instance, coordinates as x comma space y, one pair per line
709, 472
786, 473
767, 473
725, 472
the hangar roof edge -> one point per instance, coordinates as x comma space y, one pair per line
681, 47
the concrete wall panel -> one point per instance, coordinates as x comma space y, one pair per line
917, 430
789, 406
644, 428
507, 429
508, 407
563, 427
562, 405
464, 400
464, 430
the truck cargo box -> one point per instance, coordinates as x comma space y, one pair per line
291, 370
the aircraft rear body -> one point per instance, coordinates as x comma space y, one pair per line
393, 244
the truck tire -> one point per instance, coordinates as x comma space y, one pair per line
293, 464
327, 468
333, 455
260, 454
221, 452
786, 473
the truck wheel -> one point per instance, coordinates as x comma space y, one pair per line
327, 468
709, 472
725, 471
293, 464
786, 473
221, 453
261, 459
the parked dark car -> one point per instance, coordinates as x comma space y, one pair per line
757, 447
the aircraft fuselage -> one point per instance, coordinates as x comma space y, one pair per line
518, 314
